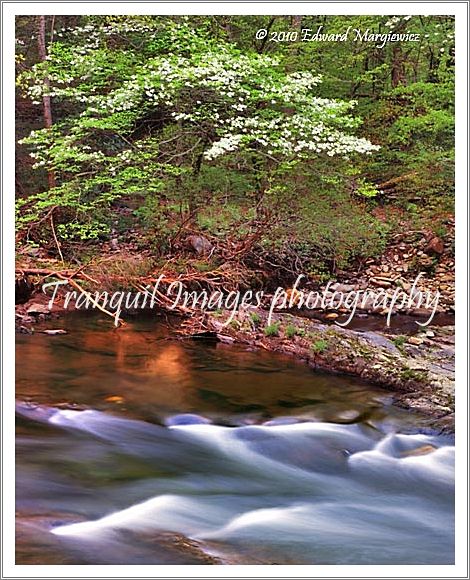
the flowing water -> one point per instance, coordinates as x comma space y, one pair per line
188, 451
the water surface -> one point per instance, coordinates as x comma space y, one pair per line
250, 456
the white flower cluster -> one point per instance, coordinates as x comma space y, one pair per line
123, 99
162, 79
395, 20
228, 143
244, 99
126, 156
312, 130
295, 88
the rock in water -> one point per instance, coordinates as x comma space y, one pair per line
331, 316
55, 331
423, 450
186, 419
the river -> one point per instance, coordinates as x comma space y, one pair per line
136, 448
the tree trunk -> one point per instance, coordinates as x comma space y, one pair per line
296, 21
398, 68
193, 202
46, 99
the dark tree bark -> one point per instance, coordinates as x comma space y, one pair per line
398, 67
46, 99
263, 44
297, 21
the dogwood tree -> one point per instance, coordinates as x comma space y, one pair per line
131, 113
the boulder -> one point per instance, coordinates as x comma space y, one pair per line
23, 289
36, 309
434, 246
345, 288
200, 245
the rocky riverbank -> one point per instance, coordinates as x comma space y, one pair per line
408, 256
419, 370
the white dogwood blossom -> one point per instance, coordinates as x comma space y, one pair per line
224, 100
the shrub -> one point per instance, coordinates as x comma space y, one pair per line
255, 318
272, 329
319, 346
291, 331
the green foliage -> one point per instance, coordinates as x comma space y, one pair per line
146, 117
272, 329
203, 266
417, 126
291, 330
82, 231
255, 318
273, 146
319, 346
399, 341
366, 189
315, 216
413, 375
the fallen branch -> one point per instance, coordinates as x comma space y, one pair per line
43, 272
77, 286
391, 182
221, 279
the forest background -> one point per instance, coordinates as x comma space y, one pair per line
187, 145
